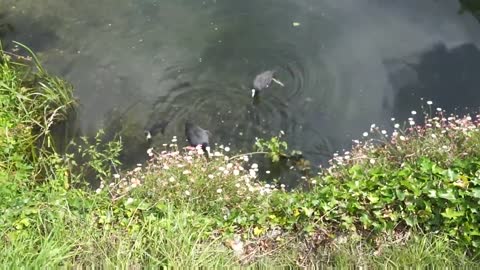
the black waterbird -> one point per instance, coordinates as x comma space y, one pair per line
155, 129
197, 136
263, 80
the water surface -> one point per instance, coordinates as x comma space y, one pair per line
345, 65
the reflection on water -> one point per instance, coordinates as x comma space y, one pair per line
448, 77
345, 65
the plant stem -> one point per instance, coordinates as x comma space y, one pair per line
248, 154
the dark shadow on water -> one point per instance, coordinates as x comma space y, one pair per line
37, 33
448, 77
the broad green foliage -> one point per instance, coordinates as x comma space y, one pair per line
274, 148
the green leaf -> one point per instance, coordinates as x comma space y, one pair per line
451, 174
452, 214
475, 193
400, 194
411, 221
432, 193
447, 196
373, 198
143, 206
308, 211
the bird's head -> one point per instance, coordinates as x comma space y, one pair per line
148, 135
254, 92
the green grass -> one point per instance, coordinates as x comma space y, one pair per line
411, 201
73, 244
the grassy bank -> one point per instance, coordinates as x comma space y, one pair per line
407, 199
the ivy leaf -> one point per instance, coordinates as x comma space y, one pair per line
447, 195
400, 194
308, 211
476, 193
373, 199
432, 193
452, 214
411, 221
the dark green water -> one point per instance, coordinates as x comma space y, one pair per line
348, 64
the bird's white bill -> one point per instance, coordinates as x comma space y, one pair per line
149, 135
253, 92
278, 82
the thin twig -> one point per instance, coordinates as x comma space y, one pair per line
278, 82
248, 154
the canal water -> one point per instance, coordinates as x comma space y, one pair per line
345, 64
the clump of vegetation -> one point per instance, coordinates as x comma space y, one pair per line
425, 177
405, 199
32, 103
422, 178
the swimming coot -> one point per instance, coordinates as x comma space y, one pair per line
197, 136
263, 80
155, 129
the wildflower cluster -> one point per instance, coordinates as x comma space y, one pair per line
441, 137
186, 177
423, 176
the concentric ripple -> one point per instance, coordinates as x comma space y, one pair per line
216, 93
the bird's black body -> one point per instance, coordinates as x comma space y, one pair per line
262, 81
197, 136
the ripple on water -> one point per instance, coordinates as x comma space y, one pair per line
216, 93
